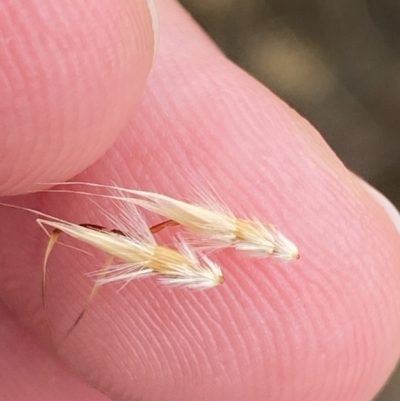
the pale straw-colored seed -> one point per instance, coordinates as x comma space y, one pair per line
141, 258
215, 225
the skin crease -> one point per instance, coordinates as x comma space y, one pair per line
23, 363
323, 328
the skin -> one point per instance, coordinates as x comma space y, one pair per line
325, 327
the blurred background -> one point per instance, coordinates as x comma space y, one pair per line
337, 63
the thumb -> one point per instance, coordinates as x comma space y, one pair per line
325, 327
71, 75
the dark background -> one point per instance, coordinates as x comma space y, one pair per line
337, 62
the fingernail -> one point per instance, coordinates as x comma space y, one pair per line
156, 25
390, 209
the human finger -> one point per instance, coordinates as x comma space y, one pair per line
71, 75
312, 329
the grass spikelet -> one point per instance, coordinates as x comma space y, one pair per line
143, 258
216, 227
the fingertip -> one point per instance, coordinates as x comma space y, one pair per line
388, 206
72, 74
312, 329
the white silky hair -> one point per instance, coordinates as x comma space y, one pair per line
140, 253
214, 225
